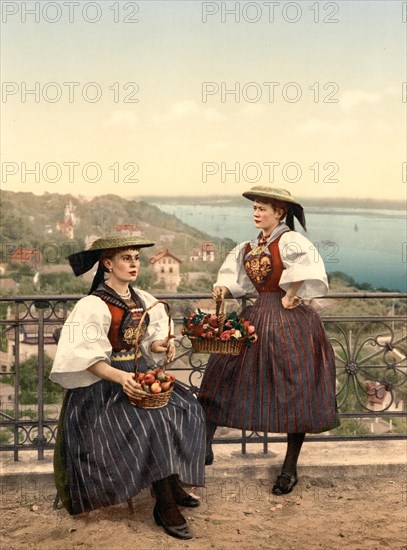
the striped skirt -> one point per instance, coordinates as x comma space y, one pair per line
283, 383
107, 450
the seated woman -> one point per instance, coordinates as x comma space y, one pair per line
107, 449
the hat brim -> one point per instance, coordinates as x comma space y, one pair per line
259, 195
83, 261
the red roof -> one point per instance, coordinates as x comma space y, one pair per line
208, 247
127, 227
164, 254
25, 254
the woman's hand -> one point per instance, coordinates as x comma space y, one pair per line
219, 293
131, 388
164, 346
290, 302
127, 380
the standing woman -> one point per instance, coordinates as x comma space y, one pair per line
285, 383
107, 449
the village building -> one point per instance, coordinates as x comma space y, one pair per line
167, 269
27, 256
208, 252
66, 227
27, 342
6, 396
128, 230
195, 255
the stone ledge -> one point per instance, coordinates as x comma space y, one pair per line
348, 458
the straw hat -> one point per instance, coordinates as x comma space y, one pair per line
262, 192
83, 261
293, 206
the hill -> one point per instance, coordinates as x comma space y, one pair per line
30, 220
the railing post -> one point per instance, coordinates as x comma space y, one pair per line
41, 305
16, 379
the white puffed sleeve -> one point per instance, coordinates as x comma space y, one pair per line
82, 343
302, 262
232, 274
157, 328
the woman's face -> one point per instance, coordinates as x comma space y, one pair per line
124, 266
265, 217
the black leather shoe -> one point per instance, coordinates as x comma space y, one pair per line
209, 458
177, 531
188, 501
284, 484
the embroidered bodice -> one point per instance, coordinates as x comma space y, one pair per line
263, 265
126, 315
124, 341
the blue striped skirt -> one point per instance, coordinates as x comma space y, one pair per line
283, 383
112, 450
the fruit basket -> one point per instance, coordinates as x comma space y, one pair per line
218, 333
156, 382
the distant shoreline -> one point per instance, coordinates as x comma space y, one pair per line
238, 200
218, 200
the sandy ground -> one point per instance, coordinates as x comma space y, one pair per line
342, 511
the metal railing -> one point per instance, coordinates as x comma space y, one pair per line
370, 353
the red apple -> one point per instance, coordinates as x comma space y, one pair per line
149, 379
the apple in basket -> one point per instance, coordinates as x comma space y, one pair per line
156, 387
149, 379
160, 375
155, 381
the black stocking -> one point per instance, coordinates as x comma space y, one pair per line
177, 490
210, 432
294, 444
166, 503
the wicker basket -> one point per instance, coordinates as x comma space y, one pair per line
154, 400
224, 347
216, 345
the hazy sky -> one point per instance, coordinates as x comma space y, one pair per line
189, 97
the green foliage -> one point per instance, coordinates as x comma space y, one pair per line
62, 283
399, 426
145, 279
351, 426
5, 436
29, 382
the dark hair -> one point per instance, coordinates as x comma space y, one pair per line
275, 204
289, 211
101, 270
110, 252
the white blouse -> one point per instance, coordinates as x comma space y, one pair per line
84, 340
301, 261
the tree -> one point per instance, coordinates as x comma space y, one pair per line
29, 382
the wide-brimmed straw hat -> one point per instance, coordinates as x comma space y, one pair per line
83, 261
294, 208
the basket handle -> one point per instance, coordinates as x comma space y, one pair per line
140, 324
220, 312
